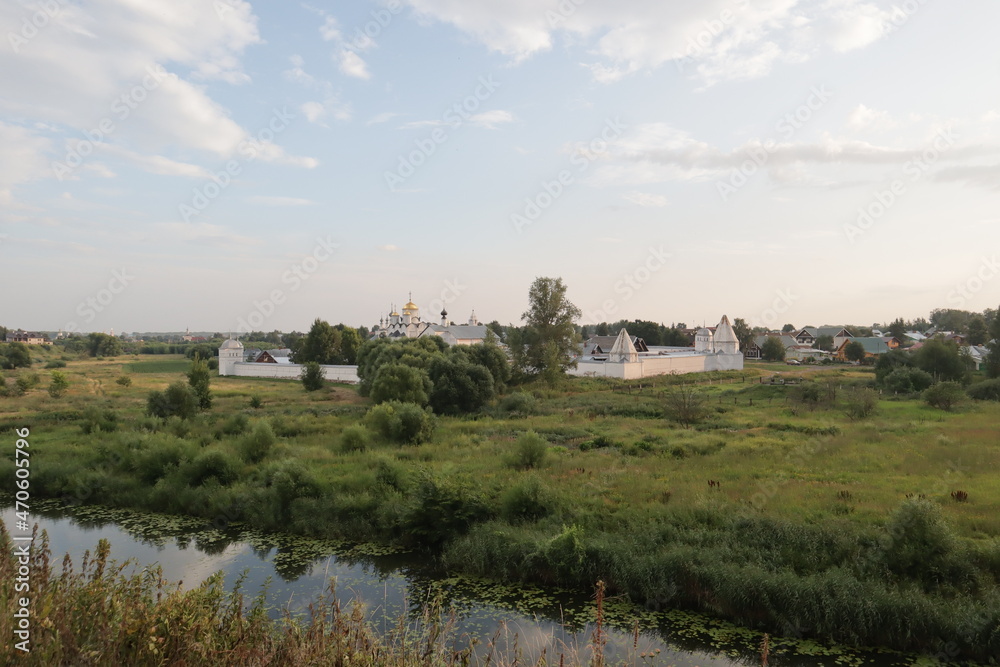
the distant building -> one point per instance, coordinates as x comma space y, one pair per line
269, 364
410, 325
28, 337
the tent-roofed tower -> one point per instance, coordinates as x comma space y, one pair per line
623, 350
725, 340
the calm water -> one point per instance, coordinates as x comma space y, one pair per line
297, 571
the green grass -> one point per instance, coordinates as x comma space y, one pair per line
797, 511
171, 365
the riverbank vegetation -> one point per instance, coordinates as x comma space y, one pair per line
780, 505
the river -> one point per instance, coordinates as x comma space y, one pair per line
296, 571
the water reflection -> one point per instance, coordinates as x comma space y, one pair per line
296, 572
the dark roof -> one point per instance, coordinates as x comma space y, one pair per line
603, 344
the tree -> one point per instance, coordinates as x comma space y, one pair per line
103, 345
744, 334
312, 376
898, 329
889, 362
350, 343
178, 399
824, 342
198, 377
942, 359
16, 355
322, 344
854, 351
685, 406
788, 328
399, 382
978, 332
459, 386
773, 349
496, 328
944, 395
59, 385
550, 337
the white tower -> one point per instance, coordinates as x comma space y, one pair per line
725, 341
230, 353
703, 340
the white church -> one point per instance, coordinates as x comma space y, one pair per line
718, 351
410, 325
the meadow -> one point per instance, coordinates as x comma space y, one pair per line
776, 511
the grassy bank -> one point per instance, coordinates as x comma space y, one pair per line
779, 513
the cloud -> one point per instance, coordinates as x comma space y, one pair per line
351, 64
22, 158
201, 232
157, 164
490, 119
280, 201
381, 118
862, 118
645, 199
713, 40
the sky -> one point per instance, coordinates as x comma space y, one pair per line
221, 165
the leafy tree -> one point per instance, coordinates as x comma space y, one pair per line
103, 345
202, 350
350, 343
322, 344
59, 385
824, 342
744, 334
550, 337
854, 351
492, 358
178, 399
944, 395
942, 359
495, 327
403, 383
788, 328
405, 423
978, 332
890, 361
16, 355
602, 329
908, 380
459, 386
898, 329
312, 376
773, 349
198, 377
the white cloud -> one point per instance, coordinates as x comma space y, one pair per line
352, 64
490, 119
645, 199
381, 118
201, 232
713, 40
862, 118
22, 158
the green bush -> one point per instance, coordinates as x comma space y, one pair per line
95, 420
161, 456
985, 391
59, 385
526, 501
255, 446
56, 363
944, 395
401, 422
213, 464
312, 376
402, 383
908, 380
354, 439
862, 402
255, 402
178, 399
441, 511
530, 451
236, 424
124, 380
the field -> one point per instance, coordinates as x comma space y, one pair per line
777, 512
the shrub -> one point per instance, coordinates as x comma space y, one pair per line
908, 380
918, 541
213, 463
255, 447
944, 395
985, 391
402, 383
354, 439
255, 402
530, 451
401, 422
178, 399
96, 420
124, 380
442, 510
199, 378
519, 402
526, 501
235, 425
59, 385
312, 376
862, 402
161, 456
56, 363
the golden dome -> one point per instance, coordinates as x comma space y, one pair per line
410, 306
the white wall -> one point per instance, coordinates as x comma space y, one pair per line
294, 371
666, 365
